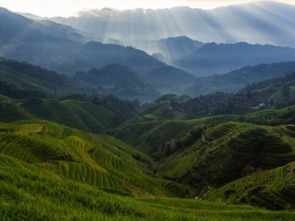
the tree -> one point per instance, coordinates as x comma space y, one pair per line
286, 90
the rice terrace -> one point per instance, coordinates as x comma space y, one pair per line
147, 110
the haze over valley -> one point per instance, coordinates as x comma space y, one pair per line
147, 110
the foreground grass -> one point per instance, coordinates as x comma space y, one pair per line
26, 193
50, 172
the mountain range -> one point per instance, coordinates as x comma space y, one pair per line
236, 80
66, 50
203, 59
264, 22
215, 58
71, 150
61, 48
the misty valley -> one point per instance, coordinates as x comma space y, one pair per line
176, 113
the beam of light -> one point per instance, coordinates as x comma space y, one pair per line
283, 24
222, 25
256, 24
66, 8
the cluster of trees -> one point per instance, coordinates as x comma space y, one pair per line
12, 91
124, 109
180, 143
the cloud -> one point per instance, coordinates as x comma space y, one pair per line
70, 7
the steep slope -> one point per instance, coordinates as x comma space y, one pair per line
215, 58
97, 160
115, 79
58, 48
276, 90
88, 113
238, 79
176, 48
149, 135
260, 22
40, 195
272, 117
170, 80
226, 153
271, 189
31, 92
22, 80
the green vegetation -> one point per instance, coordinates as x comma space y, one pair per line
75, 155
272, 117
54, 165
21, 80
50, 172
115, 79
272, 189
160, 109
225, 153
72, 174
28, 193
238, 79
88, 113
277, 91
150, 135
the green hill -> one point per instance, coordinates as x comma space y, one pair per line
272, 117
88, 113
224, 153
115, 79
168, 79
97, 160
238, 79
31, 92
160, 109
51, 172
150, 135
22, 80
28, 193
271, 189
63, 49
278, 92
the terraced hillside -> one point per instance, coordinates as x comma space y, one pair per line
272, 189
22, 80
97, 160
30, 193
160, 109
227, 152
272, 117
277, 89
88, 113
149, 136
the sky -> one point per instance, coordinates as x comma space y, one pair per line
66, 8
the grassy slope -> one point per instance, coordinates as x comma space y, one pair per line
75, 155
30, 193
82, 114
272, 89
78, 114
148, 136
15, 83
160, 109
272, 117
228, 152
21, 80
272, 189
238, 79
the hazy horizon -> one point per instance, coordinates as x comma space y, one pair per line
66, 8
